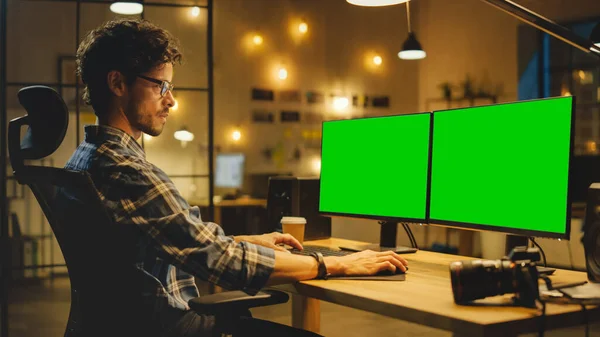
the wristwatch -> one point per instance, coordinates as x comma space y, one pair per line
322, 271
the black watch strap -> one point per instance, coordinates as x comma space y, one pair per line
322, 271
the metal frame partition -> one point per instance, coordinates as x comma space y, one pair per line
5, 258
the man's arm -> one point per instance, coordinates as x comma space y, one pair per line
142, 195
291, 267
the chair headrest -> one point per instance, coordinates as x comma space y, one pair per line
48, 120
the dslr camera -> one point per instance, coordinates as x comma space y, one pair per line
516, 273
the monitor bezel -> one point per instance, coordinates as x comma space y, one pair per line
243, 169
516, 231
377, 217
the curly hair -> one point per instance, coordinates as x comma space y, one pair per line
130, 46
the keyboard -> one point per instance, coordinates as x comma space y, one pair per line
323, 250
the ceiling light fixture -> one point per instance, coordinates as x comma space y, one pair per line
184, 136
595, 36
411, 49
127, 8
376, 3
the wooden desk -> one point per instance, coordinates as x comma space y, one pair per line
240, 202
426, 298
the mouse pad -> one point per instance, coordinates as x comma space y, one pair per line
396, 277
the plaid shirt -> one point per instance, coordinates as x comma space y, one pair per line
174, 243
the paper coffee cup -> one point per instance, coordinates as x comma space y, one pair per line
294, 226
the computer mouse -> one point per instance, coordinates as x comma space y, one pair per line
387, 272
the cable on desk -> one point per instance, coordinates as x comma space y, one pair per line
540, 248
409, 234
411, 237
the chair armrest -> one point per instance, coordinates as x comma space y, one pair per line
231, 302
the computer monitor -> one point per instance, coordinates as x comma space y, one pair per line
229, 171
504, 167
376, 168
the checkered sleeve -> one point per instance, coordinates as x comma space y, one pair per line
149, 200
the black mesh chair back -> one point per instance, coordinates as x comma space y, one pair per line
101, 269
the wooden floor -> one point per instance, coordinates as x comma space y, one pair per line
42, 310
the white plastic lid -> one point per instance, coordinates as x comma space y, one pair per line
293, 220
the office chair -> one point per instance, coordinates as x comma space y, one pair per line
98, 254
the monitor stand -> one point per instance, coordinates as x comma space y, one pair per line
387, 241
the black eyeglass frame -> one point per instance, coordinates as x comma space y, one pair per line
164, 85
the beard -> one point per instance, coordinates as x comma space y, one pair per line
146, 123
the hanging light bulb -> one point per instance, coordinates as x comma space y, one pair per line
195, 11
411, 49
257, 39
316, 165
236, 135
377, 60
175, 106
184, 136
282, 73
376, 3
127, 8
340, 103
303, 27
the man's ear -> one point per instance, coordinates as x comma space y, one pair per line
116, 83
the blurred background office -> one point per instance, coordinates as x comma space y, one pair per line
279, 69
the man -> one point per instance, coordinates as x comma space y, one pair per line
127, 68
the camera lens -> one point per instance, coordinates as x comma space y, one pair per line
472, 280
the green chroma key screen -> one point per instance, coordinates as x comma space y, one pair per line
503, 167
376, 167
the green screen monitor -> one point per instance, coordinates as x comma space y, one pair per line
376, 167
504, 167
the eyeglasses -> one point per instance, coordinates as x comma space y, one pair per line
164, 85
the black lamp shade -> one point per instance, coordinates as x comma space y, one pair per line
411, 43
595, 36
411, 49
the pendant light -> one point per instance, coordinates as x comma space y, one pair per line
375, 3
595, 36
127, 8
411, 49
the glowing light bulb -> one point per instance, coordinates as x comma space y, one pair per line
147, 138
184, 135
282, 73
340, 103
236, 135
303, 28
377, 60
175, 106
127, 8
412, 54
375, 3
195, 11
257, 39
316, 165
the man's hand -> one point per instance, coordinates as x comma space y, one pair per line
366, 262
271, 240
